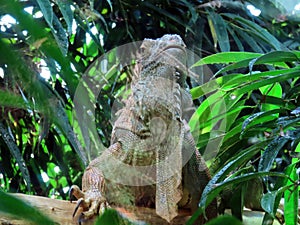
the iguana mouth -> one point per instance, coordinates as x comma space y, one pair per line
174, 47
172, 55
171, 48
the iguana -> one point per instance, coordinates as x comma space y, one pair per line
152, 160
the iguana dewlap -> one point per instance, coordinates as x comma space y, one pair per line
152, 160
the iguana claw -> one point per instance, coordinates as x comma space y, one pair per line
76, 192
92, 203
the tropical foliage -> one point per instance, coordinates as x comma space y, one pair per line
245, 85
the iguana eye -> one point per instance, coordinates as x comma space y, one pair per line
142, 50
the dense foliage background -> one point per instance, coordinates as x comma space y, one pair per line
247, 90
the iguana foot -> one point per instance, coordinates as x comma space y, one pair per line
92, 203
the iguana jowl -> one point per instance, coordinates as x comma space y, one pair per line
151, 146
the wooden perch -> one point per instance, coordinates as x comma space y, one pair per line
61, 211
58, 210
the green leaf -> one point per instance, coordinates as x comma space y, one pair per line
203, 139
254, 85
112, 217
268, 201
205, 111
60, 36
206, 88
50, 170
233, 112
213, 188
231, 82
249, 40
46, 9
14, 150
276, 58
291, 206
17, 208
48, 47
236, 39
219, 31
226, 57
65, 8
291, 196
257, 30
55, 25
216, 116
225, 219
61, 120
257, 118
10, 99
86, 27
285, 122
270, 153
273, 90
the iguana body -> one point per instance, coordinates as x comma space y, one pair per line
151, 146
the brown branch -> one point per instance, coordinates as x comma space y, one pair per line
61, 212
58, 210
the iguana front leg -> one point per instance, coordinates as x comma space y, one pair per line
91, 199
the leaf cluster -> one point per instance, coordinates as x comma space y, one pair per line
248, 112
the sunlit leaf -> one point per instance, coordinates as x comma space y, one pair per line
291, 200
49, 48
276, 58
257, 118
227, 57
87, 29
291, 196
263, 82
273, 90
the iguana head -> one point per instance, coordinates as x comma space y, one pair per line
163, 57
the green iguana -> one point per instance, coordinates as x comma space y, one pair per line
152, 160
